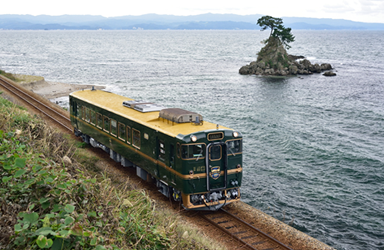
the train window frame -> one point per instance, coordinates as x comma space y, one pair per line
106, 121
93, 117
229, 152
129, 135
188, 154
136, 138
99, 120
122, 132
210, 153
113, 128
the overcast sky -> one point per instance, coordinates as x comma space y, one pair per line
356, 10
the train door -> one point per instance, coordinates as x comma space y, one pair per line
171, 156
216, 166
73, 112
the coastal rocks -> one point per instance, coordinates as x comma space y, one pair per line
296, 67
273, 60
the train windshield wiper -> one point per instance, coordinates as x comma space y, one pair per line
231, 151
200, 154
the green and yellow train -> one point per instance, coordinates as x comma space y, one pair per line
193, 161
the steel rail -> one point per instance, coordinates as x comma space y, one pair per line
16, 91
246, 244
256, 229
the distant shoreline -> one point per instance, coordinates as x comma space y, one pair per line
206, 21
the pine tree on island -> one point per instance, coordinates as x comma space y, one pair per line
278, 31
273, 58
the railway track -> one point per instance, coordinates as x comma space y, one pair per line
247, 235
40, 106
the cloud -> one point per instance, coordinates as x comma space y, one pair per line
371, 7
343, 7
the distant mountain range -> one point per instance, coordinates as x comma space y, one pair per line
162, 22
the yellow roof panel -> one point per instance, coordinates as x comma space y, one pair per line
114, 103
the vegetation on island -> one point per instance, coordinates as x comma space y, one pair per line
53, 197
273, 54
278, 31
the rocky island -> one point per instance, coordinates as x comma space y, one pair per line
273, 59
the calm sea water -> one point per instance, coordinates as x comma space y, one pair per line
313, 146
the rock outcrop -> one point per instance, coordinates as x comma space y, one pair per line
329, 73
274, 60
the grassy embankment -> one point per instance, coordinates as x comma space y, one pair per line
21, 79
45, 203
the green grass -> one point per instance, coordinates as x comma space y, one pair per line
48, 204
8, 75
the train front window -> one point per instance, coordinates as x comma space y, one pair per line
193, 151
215, 152
234, 147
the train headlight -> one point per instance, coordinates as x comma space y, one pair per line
193, 138
235, 134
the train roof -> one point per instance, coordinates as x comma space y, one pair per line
160, 119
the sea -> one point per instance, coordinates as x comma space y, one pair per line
313, 145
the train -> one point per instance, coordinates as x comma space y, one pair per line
195, 162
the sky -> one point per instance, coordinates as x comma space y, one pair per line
370, 11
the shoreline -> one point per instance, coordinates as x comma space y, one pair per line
52, 90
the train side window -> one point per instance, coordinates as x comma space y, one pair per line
122, 131
113, 127
129, 135
93, 117
79, 111
161, 150
99, 118
106, 123
136, 139
83, 113
234, 147
87, 115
